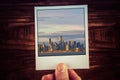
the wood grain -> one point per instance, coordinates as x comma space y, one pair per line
17, 51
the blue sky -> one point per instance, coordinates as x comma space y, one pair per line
68, 23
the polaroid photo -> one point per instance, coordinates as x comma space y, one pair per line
61, 36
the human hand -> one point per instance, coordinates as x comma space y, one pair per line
62, 73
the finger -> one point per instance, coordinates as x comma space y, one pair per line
73, 75
61, 72
48, 77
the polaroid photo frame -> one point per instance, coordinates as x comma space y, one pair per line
61, 36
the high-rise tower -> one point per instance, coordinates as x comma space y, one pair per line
49, 40
67, 46
60, 38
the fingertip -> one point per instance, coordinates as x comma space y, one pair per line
61, 72
62, 64
61, 67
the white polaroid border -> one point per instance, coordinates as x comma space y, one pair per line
73, 61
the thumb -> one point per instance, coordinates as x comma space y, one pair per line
61, 72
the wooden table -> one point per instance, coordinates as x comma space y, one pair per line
20, 65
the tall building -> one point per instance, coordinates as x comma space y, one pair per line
63, 45
67, 46
78, 45
70, 45
55, 46
60, 39
49, 40
43, 48
75, 44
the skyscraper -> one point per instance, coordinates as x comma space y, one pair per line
67, 46
60, 39
49, 40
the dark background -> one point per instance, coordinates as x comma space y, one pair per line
17, 51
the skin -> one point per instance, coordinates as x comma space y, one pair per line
62, 73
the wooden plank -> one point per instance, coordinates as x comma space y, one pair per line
18, 52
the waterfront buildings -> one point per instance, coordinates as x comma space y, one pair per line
61, 46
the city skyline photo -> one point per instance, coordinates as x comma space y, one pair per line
61, 31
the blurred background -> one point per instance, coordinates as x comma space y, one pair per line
17, 43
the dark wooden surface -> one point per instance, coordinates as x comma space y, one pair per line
17, 52
20, 65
